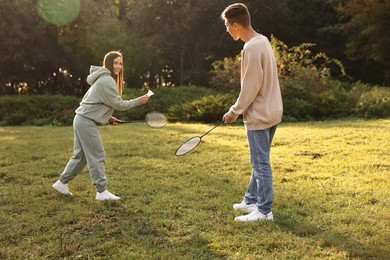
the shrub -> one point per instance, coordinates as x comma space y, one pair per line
308, 90
308, 94
371, 102
226, 74
163, 100
207, 109
37, 110
302, 56
59, 110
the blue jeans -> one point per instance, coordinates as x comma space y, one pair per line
260, 189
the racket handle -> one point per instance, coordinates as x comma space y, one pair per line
220, 123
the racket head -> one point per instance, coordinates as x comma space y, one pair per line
156, 119
188, 146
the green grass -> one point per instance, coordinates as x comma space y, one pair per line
331, 185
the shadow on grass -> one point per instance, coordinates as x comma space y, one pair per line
326, 237
115, 230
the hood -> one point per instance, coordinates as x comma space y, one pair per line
95, 72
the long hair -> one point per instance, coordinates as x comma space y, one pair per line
108, 63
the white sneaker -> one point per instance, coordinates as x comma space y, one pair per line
244, 207
62, 188
106, 195
255, 215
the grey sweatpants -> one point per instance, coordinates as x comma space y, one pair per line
88, 149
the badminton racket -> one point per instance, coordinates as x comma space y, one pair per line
153, 119
192, 143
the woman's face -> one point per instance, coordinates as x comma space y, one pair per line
117, 66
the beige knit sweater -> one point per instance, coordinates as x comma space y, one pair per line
260, 100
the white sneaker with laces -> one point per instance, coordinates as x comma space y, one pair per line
106, 195
62, 188
244, 207
255, 215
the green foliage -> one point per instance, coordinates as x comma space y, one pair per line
148, 36
37, 110
306, 96
310, 91
183, 43
368, 37
308, 86
226, 74
371, 102
303, 56
207, 109
163, 101
309, 95
28, 47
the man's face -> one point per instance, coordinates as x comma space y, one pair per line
232, 29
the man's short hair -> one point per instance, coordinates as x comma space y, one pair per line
237, 13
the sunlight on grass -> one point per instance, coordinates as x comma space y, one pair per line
331, 183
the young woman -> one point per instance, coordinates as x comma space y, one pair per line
96, 108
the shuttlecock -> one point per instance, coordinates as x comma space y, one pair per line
150, 93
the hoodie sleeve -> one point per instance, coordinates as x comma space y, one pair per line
111, 97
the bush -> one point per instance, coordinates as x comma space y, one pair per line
302, 56
163, 100
37, 110
371, 102
226, 74
308, 85
306, 96
207, 109
308, 90
59, 110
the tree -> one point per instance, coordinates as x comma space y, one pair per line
366, 25
183, 36
98, 30
28, 59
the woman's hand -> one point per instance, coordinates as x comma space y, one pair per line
144, 99
115, 121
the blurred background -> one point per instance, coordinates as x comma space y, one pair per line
47, 46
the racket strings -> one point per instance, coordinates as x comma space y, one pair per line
156, 119
188, 145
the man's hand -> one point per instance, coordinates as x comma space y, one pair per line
228, 119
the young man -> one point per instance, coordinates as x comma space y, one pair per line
260, 103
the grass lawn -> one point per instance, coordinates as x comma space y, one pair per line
331, 186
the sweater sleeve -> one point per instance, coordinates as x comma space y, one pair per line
111, 97
251, 80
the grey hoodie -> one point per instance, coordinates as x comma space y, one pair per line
102, 98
